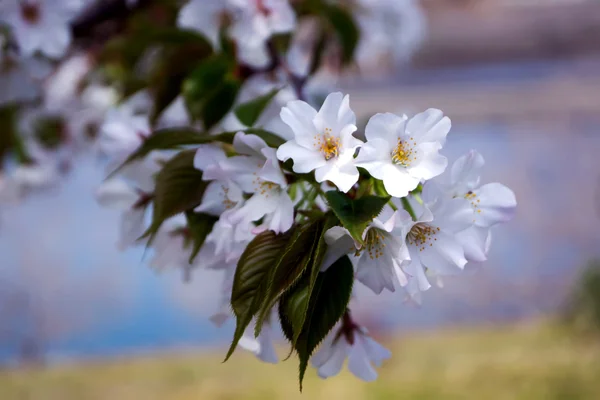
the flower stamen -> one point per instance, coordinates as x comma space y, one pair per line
421, 235
327, 144
374, 244
404, 154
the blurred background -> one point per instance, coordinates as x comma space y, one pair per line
520, 80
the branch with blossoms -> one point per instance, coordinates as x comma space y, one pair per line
228, 148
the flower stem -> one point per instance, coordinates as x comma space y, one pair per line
408, 208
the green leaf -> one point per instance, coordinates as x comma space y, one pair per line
218, 103
303, 256
200, 225
179, 187
355, 215
249, 112
170, 72
289, 267
347, 32
327, 302
249, 280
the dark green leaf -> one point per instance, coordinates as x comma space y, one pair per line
249, 112
355, 215
289, 267
200, 225
327, 302
179, 187
347, 32
249, 280
219, 102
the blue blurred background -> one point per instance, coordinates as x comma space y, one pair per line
521, 83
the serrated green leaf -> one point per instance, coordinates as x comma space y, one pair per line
347, 32
179, 187
249, 112
355, 214
289, 267
249, 280
200, 225
327, 302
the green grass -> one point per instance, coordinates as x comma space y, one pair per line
535, 361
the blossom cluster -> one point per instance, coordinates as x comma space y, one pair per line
245, 168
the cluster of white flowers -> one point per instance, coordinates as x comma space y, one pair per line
437, 219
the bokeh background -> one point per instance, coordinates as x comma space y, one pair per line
521, 82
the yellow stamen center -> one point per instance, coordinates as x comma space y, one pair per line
422, 235
374, 244
404, 153
327, 144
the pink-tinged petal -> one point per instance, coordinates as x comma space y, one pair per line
358, 361
249, 145
475, 243
397, 181
282, 17
116, 194
299, 115
429, 126
466, 170
208, 155
213, 199
305, 160
326, 349
334, 363
430, 163
282, 217
497, 203
444, 256
386, 127
376, 352
202, 16
271, 171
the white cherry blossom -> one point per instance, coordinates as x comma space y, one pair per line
379, 261
130, 193
403, 152
388, 27
262, 346
253, 22
432, 242
256, 170
323, 140
40, 25
125, 127
350, 341
492, 203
